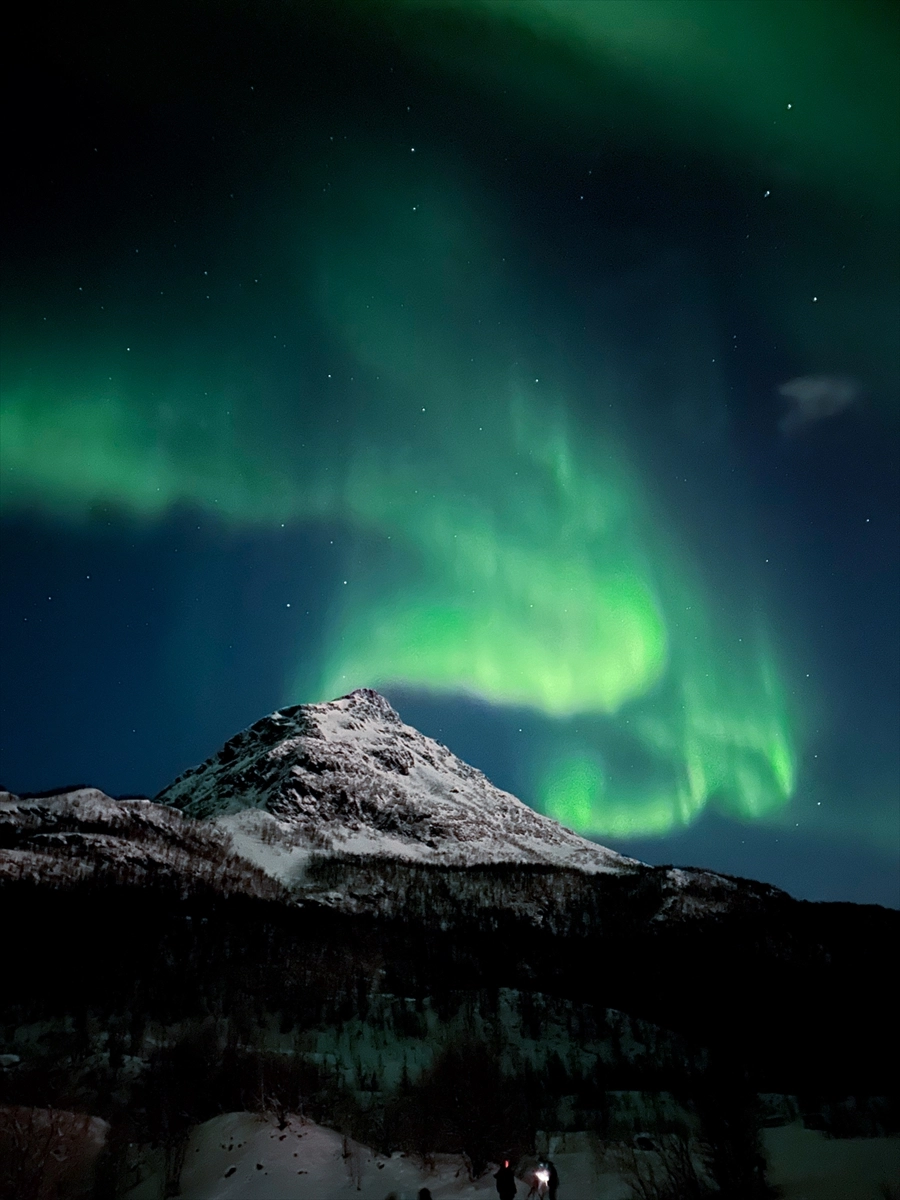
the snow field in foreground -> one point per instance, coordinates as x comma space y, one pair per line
242, 1156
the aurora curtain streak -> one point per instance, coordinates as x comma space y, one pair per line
508, 546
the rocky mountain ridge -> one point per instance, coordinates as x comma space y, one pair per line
343, 805
83, 836
350, 777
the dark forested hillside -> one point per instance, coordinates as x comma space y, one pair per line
155, 977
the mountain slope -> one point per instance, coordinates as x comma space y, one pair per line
348, 777
84, 836
438, 939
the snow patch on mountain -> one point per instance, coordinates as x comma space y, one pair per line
348, 777
84, 835
691, 892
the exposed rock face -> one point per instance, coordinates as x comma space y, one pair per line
358, 813
349, 777
84, 836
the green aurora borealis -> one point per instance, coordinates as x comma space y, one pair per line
529, 576
369, 339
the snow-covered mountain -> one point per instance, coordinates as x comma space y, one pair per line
83, 835
349, 778
353, 810
336, 915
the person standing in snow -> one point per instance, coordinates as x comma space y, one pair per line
546, 1180
506, 1181
553, 1181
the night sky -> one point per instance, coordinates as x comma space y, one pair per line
536, 362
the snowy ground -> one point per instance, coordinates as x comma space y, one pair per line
240, 1156
809, 1166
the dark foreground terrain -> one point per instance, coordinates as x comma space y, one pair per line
154, 977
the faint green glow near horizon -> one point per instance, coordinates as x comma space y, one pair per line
528, 568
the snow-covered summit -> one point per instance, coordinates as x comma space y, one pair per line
348, 777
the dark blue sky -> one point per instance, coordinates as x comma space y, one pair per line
526, 362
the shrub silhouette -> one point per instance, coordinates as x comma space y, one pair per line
47, 1154
463, 1105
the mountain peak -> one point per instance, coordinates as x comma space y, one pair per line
349, 777
369, 703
